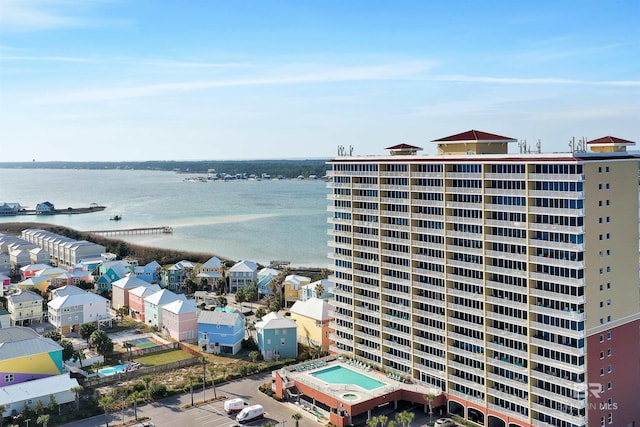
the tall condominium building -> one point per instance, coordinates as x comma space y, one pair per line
507, 280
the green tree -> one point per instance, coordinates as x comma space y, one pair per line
212, 371
405, 418
77, 390
372, 422
319, 289
54, 334
240, 295
38, 407
296, 417
101, 342
429, 398
3, 408
260, 312
147, 381
382, 420
107, 404
133, 399
53, 405
43, 420
86, 329
127, 345
253, 355
191, 379
221, 301
79, 356
123, 311
67, 350
204, 362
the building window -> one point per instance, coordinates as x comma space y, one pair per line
609, 369
609, 352
281, 341
601, 287
601, 338
601, 304
609, 385
599, 186
602, 422
607, 186
606, 169
609, 285
609, 302
602, 372
609, 335
608, 318
602, 355
610, 417
8, 378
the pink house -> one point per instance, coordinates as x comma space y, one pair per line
136, 300
180, 320
120, 290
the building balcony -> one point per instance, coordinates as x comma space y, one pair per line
396, 332
556, 262
429, 286
406, 320
426, 189
554, 379
565, 400
397, 359
561, 314
463, 279
506, 302
366, 300
464, 220
506, 318
464, 294
501, 410
494, 346
495, 207
428, 370
465, 353
467, 383
499, 363
513, 256
428, 231
425, 272
464, 175
460, 308
563, 195
467, 397
462, 367
426, 328
505, 192
427, 258
537, 226
509, 397
556, 211
557, 365
427, 174
463, 323
573, 419
562, 348
420, 202
465, 338
500, 381
544, 327
506, 287
557, 296
427, 300
505, 176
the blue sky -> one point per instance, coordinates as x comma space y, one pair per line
111, 80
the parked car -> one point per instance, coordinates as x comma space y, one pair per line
444, 422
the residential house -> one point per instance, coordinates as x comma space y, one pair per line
25, 308
177, 274
211, 272
5, 283
120, 290
221, 331
243, 273
5, 263
18, 258
149, 273
26, 356
45, 208
32, 270
5, 318
39, 256
265, 277
311, 290
277, 337
9, 208
153, 306
313, 318
14, 397
292, 285
62, 249
109, 272
136, 300
180, 320
72, 307
39, 283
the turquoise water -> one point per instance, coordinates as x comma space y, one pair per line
342, 375
105, 372
255, 220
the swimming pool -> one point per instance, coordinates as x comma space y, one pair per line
342, 375
111, 370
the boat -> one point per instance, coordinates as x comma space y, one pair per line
116, 218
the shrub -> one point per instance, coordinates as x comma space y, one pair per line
158, 390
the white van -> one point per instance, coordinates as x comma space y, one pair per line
250, 413
232, 406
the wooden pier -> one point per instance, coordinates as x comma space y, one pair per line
133, 231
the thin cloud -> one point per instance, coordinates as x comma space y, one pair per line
332, 75
31, 15
530, 81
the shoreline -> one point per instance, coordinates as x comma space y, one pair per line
68, 211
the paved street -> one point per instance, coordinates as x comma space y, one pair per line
169, 412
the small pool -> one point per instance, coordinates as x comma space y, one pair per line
112, 370
342, 375
350, 396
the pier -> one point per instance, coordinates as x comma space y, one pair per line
133, 231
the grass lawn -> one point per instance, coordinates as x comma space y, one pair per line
163, 357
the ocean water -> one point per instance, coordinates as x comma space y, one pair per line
256, 220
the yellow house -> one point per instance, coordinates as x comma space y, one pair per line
39, 283
25, 308
292, 285
313, 318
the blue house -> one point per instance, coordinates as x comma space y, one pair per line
265, 276
150, 273
220, 331
277, 337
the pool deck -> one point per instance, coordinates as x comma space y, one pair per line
296, 373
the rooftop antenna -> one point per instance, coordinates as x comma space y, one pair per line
572, 144
522, 145
539, 146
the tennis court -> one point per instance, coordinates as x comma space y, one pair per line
144, 342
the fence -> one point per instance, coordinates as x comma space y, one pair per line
140, 372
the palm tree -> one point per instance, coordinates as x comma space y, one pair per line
147, 381
382, 420
43, 419
296, 417
319, 289
76, 390
106, 403
224, 373
429, 398
253, 355
204, 362
127, 345
405, 418
133, 398
269, 424
212, 371
191, 378
372, 422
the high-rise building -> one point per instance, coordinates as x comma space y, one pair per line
507, 280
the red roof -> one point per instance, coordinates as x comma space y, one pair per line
610, 140
474, 135
403, 147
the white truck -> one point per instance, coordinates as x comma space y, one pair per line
250, 413
232, 406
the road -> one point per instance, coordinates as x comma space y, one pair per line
169, 412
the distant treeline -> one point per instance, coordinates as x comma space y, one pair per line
286, 168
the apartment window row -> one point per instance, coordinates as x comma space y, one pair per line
604, 203
557, 169
606, 186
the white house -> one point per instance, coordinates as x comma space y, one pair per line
243, 273
74, 307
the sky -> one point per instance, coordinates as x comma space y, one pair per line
135, 80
